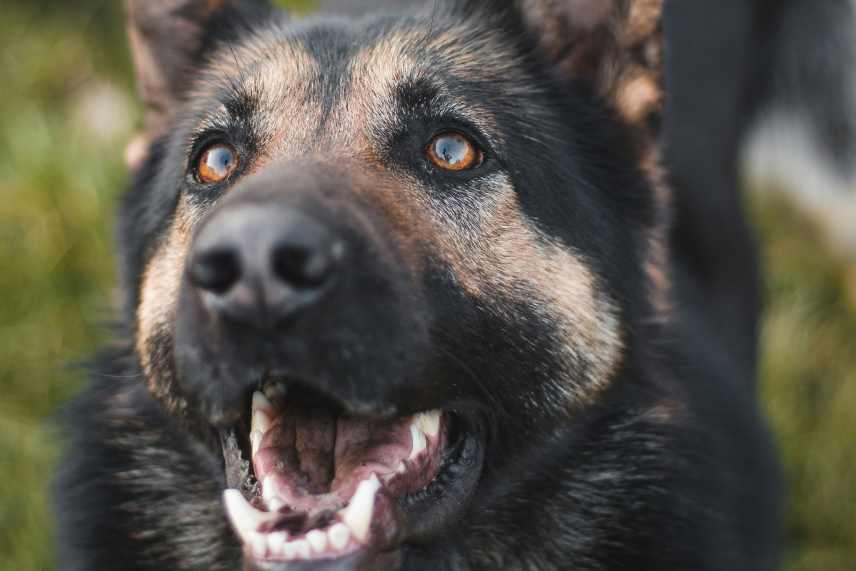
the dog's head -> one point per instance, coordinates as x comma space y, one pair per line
386, 259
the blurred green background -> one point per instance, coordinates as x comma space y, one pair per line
66, 110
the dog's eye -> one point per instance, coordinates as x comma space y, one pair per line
217, 163
452, 151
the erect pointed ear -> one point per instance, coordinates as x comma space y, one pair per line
616, 45
168, 39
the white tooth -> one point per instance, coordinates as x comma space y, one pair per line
255, 441
261, 402
301, 549
317, 540
276, 543
358, 514
245, 518
289, 550
429, 422
261, 421
418, 442
275, 505
270, 489
402, 467
258, 545
339, 536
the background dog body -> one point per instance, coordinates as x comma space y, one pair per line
609, 351
803, 137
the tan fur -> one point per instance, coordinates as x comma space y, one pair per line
617, 44
158, 303
506, 257
657, 258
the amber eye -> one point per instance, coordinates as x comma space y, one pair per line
217, 163
453, 151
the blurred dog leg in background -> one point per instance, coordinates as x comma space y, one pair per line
802, 141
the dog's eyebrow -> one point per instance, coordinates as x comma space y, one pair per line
421, 94
417, 93
234, 103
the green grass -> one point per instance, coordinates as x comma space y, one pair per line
61, 171
809, 387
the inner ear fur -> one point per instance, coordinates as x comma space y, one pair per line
168, 40
616, 45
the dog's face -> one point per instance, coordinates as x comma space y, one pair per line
386, 260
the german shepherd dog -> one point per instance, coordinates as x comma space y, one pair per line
411, 291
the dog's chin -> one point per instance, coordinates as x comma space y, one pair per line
313, 486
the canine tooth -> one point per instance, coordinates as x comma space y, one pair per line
358, 514
301, 549
261, 421
429, 422
339, 536
402, 467
317, 540
261, 402
256, 441
418, 442
245, 518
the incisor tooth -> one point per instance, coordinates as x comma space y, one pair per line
317, 540
289, 550
358, 514
276, 543
418, 440
429, 422
245, 518
339, 536
301, 549
258, 545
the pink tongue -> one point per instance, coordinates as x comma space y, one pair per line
315, 439
364, 446
311, 451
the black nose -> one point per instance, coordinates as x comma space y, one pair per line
255, 262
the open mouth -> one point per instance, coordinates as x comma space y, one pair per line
322, 485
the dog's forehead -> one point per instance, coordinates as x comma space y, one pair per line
333, 83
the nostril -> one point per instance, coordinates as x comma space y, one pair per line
301, 267
215, 270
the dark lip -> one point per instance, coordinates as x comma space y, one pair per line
429, 513
437, 508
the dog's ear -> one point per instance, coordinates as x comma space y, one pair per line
168, 40
616, 45
613, 45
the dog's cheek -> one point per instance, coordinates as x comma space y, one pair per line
156, 313
501, 259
